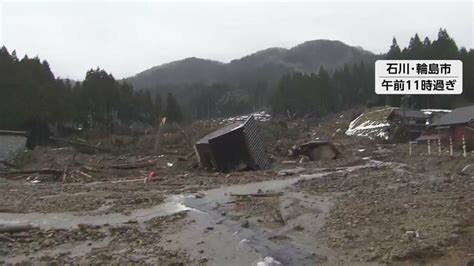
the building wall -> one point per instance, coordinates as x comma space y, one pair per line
9, 144
459, 131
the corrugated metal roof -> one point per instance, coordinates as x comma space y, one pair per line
457, 116
12, 133
221, 131
410, 113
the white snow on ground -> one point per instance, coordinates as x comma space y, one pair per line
268, 261
261, 116
430, 111
371, 124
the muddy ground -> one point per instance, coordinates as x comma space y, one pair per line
374, 205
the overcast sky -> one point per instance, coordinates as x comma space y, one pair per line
128, 37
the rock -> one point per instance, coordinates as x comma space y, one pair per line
234, 217
409, 235
470, 262
453, 239
304, 159
287, 172
245, 224
200, 195
298, 227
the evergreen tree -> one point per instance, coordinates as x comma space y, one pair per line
444, 47
173, 111
394, 52
415, 48
157, 108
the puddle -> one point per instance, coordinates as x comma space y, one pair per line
173, 204
227, 243
67, 220
230, 244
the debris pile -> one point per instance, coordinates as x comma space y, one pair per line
118, 199
316, 150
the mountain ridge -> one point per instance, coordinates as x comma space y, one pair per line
265, 65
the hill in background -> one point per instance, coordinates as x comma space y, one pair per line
263, 66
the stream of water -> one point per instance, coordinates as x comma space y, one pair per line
228, 243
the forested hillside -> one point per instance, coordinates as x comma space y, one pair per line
210, 88
318, 94
314, 78
30, 95
267, 65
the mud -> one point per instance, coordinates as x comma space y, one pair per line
375, 205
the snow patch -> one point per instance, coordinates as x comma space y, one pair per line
261, 116
430, 111
371, 124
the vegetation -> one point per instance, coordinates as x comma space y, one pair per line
32, 97
318, 94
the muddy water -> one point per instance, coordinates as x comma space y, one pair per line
68, 220
173, 204
226, 242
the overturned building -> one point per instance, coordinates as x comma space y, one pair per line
232, 148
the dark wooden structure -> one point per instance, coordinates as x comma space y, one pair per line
456, 124
233, 148
413, 122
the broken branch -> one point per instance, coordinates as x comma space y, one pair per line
7, 238
15, 228
7, 164
132, 165
81, 144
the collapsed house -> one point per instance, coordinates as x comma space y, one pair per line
455, 125
412, 122
382, 122
235, 147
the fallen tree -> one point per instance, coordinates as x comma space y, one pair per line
16, 228
82, 146
131, 165
8, 164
